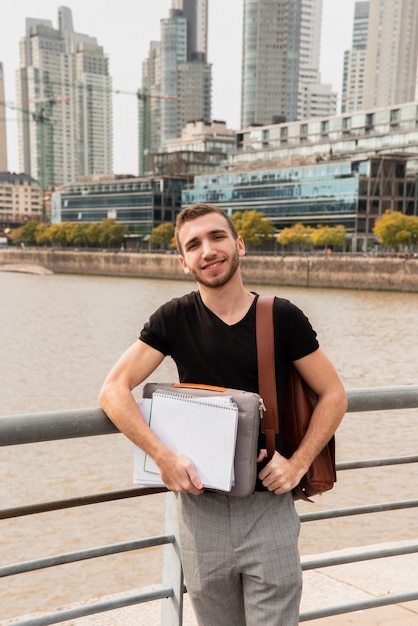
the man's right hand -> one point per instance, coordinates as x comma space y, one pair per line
178, 474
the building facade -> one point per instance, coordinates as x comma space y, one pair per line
140, 203
280, 62
392, 53
3, 136
355, 60
387, 130
349, 193
176, 78
20, 199
65, 115
201, 148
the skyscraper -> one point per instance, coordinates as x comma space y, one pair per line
196, 14
176, 78
352, 98
3, 142
280, 62
392, 53
65, 118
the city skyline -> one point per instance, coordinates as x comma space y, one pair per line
126, 32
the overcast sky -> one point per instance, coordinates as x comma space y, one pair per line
125, 27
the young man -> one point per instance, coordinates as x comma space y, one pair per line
240, 556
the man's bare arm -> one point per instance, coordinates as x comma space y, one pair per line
116, 399
282, 474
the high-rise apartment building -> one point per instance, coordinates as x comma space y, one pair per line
392, 52
3, 141
65, 117
196, 14
176, 78
352, 98
280, 62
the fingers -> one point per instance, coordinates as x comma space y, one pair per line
278, 475
261, 455
181, 476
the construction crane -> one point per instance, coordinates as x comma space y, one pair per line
144, 96
43, 118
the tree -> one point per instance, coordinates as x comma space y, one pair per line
78, 234
111, 234
25, 234
93, 234
297, 235
162, 235
253, 227
47, 234
329, 236
394, 229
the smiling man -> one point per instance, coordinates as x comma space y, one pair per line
240, 555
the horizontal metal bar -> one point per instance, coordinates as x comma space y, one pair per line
97, 607
397, 460
57, 505
53, 425
83, 555
358, 606
360, 556
382, 398
358, 510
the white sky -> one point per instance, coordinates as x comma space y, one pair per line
125, 27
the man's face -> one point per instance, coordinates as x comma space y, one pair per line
210, 252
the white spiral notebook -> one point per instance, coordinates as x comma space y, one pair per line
204, 429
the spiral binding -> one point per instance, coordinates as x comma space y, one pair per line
206, 400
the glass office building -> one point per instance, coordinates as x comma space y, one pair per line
350, 193
140, 203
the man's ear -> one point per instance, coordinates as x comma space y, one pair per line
241, 246
183, 264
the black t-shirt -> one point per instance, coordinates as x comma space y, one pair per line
209, 351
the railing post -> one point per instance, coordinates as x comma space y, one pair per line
172, 608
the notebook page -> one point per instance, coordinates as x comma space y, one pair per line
204, 429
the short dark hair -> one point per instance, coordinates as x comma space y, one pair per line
194, 211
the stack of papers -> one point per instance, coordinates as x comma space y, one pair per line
202, 428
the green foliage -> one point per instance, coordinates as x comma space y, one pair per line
329, 236
395, 229
111, 234
253, 227
162, 235
297, 235
305, 236
108, 234
25, 234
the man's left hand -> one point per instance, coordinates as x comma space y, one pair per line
279, 475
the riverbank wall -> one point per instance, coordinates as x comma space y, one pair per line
335, 271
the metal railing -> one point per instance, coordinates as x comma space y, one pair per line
57, 425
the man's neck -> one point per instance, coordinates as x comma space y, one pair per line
230, 303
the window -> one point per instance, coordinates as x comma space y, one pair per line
303, 133
369, 121
346, 124
394, 117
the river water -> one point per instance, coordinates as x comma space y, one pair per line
59, 336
